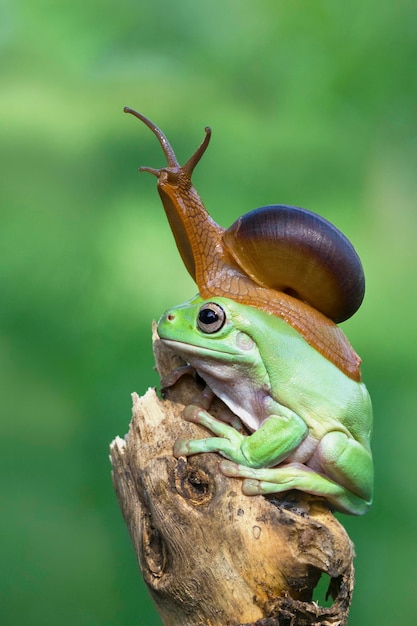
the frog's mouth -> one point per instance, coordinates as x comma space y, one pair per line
188, 348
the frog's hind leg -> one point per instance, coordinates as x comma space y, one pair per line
347, 462
295, 476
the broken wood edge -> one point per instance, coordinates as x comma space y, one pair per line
209, 554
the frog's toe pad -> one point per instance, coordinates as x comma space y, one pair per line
191, 413
181, 448
251, 487
228, 468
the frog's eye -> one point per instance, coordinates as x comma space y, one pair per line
211, 317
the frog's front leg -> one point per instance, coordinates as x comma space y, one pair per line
277, 437
174, 376
227, 443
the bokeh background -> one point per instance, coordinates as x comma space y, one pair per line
312, 104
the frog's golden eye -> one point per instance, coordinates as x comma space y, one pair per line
211, 317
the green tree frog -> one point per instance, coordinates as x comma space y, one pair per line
308, 424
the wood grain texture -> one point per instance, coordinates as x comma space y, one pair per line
209, 554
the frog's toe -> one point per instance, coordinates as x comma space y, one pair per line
197, 415
204, 398
191, 413
181, 448
251, 487
228, 468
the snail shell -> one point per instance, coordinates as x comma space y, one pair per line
295, 251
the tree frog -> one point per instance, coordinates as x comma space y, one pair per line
308, 425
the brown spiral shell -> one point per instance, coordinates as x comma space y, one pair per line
295, 251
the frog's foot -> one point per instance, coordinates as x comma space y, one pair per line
227, 442
295, 476
173, 377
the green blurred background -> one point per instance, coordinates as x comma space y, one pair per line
312, 104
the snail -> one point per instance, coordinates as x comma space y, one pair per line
285, 260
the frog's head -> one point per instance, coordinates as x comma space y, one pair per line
214, 329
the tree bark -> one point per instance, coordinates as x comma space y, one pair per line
209, 554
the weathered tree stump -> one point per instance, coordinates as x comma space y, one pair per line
209, 554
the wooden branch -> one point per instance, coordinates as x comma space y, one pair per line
209, 554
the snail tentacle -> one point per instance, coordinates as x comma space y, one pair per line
172, 161
166, 146
190, 165
151, 170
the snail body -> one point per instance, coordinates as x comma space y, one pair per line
284, 260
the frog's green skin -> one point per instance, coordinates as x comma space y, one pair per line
310, 424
